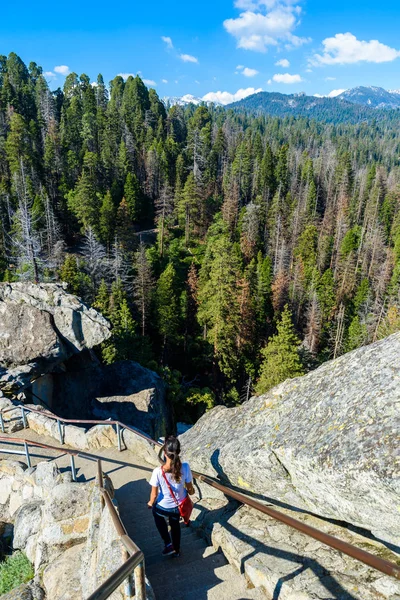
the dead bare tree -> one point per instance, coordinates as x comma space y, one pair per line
143, 285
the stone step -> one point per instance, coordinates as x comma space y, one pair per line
200, 573
202, 580
189, 553
150, 532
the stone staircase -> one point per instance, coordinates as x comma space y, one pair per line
200, 573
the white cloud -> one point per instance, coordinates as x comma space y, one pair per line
265, 23
283, 63
249, 72
246, 71
94, 84
295, 41
62, 69
126, 75
49, 74
331, 94
345, 48
330, 78
227, 97
188, 58
164, 80
168, 41
149, 82
254, 4
335, 93
286, 78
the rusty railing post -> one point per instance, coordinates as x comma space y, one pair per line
100, 481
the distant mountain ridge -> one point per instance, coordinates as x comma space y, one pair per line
182, 100
372, 96
352, 106
362, 103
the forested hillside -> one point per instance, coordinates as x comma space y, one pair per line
348, 107
228, 251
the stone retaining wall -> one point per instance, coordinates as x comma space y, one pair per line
96, 438
63, 529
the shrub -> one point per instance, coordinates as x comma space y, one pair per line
14, 570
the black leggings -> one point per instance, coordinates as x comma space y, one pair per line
160, 515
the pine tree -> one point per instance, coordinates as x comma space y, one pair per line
69, 273
107, 219
133, 196
102, 301
167, 307
143, 287
281, 356
188, 207
219, 308
356, 335
84, 201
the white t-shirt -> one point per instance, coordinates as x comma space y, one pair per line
165, 499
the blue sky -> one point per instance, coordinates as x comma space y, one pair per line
214, 46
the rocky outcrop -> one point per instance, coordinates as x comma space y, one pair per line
26, 591
46, 337
287, 565
41, 326
326, 442
134, 395
323, 446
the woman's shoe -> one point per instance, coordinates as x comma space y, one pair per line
176, 555
169, 549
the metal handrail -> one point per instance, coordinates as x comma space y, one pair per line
137, 566
362, 555
132, 555
382, 565
114, 581
119, 425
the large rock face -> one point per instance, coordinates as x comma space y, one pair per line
134, 395
327, 442
46, 336
40, 327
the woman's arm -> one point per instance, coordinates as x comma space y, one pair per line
190, 488
189, 481
153, 496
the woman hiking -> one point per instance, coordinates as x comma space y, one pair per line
170, 485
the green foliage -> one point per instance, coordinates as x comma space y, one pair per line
191, 227
70, 272
351, 241
281, 356
15, 570
391, 322
218, 305
356, 335
167, 305
133, 196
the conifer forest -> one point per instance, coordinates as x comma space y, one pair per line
229, 250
